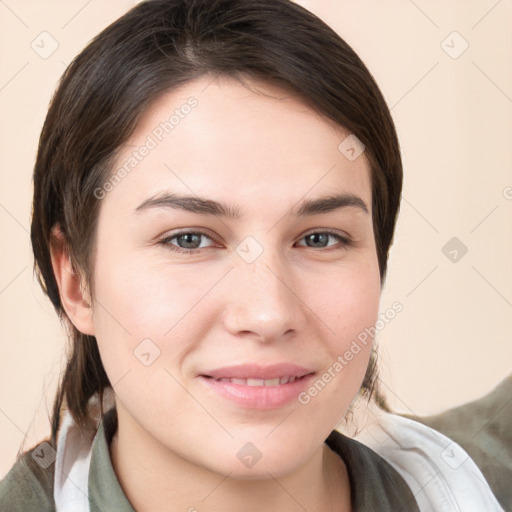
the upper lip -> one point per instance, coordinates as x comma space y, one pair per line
255, 371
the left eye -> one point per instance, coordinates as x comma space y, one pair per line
191, 239
319, 236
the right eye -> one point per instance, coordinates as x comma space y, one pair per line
190, 239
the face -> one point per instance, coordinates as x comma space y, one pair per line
263, 288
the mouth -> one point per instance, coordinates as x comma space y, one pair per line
256, 372
256, 387
259, 382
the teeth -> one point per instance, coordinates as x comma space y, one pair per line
260, 382
255, 382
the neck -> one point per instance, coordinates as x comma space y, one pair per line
156, 479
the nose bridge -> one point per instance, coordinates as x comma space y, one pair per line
262, 299
262, 270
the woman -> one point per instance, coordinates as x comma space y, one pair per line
215, 195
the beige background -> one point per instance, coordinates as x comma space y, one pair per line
452, 341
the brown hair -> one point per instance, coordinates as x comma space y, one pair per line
152, 49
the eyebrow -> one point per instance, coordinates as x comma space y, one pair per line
203, 206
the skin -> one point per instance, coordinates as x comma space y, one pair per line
263, 150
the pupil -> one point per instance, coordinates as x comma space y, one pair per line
316, 236
187, 237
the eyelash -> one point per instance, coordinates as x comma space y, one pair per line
345, 241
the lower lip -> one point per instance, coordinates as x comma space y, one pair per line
259, 397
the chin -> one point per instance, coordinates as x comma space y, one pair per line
249, 462
261, 471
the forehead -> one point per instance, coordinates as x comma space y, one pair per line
217, 137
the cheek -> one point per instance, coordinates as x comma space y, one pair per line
146, 324
146, 298
348, 311
348, 303
141, 309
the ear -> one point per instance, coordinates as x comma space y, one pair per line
74, 297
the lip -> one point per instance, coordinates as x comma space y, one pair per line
255, 371
258, 397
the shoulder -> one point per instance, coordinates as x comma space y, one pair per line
483, 428
29, 483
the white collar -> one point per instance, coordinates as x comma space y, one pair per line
73, 459
439, 472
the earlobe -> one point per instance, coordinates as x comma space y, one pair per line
74, 297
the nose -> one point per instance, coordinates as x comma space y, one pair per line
263, 303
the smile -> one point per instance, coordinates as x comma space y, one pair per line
262, 394
260, 382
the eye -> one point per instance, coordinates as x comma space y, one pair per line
321, 237
189, 241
